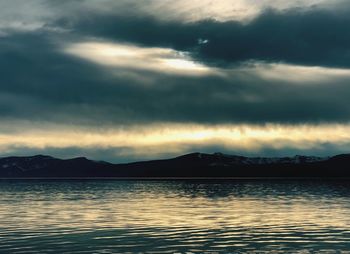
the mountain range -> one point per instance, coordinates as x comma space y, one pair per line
194, 165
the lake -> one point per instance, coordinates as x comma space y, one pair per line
242, 216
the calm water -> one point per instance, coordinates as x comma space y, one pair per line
174, 217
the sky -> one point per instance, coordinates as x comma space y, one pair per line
126, 80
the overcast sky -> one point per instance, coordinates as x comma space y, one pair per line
124, 80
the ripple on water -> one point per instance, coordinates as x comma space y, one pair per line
174, 216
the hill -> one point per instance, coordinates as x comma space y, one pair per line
194, 165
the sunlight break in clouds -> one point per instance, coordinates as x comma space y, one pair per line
196, 10
138, 58
166, 60
293, 74
29, 15
150, 140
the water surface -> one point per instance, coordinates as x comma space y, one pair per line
174, 217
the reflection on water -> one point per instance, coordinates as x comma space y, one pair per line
174, 217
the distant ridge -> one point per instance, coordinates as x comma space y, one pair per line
194, 165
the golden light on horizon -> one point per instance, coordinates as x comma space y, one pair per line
176, 137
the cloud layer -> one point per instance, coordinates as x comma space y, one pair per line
90, 68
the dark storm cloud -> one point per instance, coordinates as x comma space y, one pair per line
299, 36
39, 82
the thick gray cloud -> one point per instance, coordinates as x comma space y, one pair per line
40, 82
299, 36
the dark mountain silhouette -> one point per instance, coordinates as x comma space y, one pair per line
191, 165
